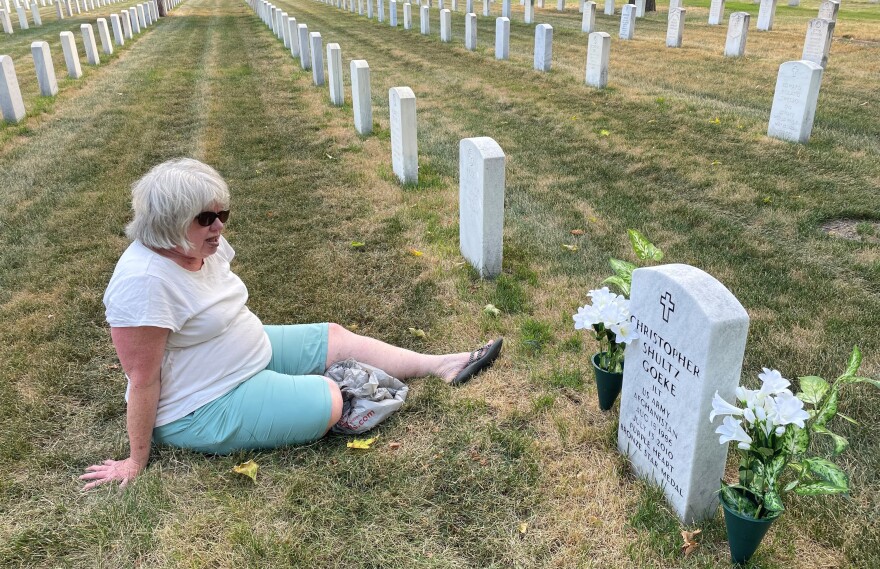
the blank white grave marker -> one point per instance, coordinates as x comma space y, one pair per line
45, 68
609, 7
766, 14
35, 11
117, 29
361, 103
407, 16
71, 55
588, 21
470, 32
528, 12
392, 13
502, 38
640, 8
294, 38
404, 141
11, 102
22, 18
315, 44
334, 71
88, 36
285, 29
104, 33
505, 9
543, 47
133, 19
425, 20
7, 23
125, 18
305, 58
445, 26
481, 173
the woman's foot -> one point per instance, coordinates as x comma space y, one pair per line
461, 367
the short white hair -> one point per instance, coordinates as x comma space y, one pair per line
167, 199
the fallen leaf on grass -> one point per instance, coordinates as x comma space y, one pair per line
491, 310
248, 468
716, 120
415, 252
593, 219
328, 156
523, 527
417, 332
394, 445
570, 247
604, 132
363, 444
690, 543
577, 231
357, 244
716, 162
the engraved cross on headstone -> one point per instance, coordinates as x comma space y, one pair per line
667, 308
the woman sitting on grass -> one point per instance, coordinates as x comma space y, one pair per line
203, 372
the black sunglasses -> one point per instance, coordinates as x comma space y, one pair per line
206, 218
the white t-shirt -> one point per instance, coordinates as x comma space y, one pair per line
215, 341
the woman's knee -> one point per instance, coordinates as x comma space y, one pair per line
335, 402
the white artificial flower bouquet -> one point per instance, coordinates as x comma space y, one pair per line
609, 318
773, 429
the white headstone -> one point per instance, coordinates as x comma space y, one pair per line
794, 101
716, 12
469, 7
125, 19
598, 52
407, 16
88, 36
528, 12
380, 16
692, 340
766, 13
470, 32
425, 20
502, 38
481, 204
486, 11
148, 14
334, 74
818, 41
370, 9
505, 9
135, 22
11, 102
588, 20
392, 12
117, 29
673, 4
361, 103
285, 29
445, 25
142, 18
360, 7
454, 6
71, 55
45, 68
794, 3
828, 10
404, 141
640, 8
35, 11
543, 47
627, 22
315, 44
7, 23
305, 51
675, 27
609, 7
22, 18
104, 34
737, 33
294, 37
560, 5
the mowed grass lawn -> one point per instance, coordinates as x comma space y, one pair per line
519, 468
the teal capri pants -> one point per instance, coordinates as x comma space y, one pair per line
288, 403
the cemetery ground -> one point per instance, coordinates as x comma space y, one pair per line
518, 468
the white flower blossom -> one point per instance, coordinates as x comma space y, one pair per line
722, 407
731, 430
788, 410
602, 297
780, 430
586, 316
624, 333
772, 382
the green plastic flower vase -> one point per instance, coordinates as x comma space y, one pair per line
607, 384
744, 534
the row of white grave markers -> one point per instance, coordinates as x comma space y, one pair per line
72, 7
11, 101
481, 160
